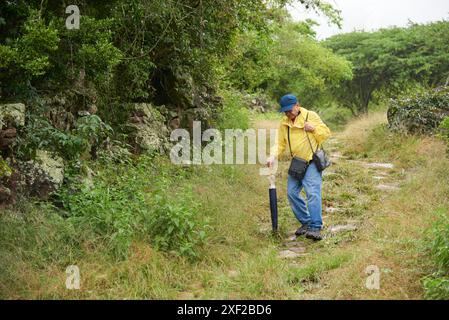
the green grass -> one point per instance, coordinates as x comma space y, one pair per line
231, 201
111, 231
312, 271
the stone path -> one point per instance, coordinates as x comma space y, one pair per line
293, 248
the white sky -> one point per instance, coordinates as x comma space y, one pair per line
370, 15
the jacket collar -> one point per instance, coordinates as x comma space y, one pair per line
299, 121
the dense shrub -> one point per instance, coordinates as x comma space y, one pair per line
235, 115
126, 203
39, 133
421, 112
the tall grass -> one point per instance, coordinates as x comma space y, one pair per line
414, 219
437, 243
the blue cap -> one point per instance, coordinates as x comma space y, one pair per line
288, 102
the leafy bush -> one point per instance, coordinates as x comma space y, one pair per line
5, 170
234, 114
39, 133
124, 204
421, 112
29, 55
437, 285
172, 224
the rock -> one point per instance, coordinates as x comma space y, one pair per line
5, 194
342, 228
12, 116
295, 243
60, 118
83, 113
13, 113
233, 273
147, 128
175, 123
259, 104
298, 249
386, 187
288, 254
7, 137
375, 165
87, 179
114, 151
52, 165
332, 210
42, 176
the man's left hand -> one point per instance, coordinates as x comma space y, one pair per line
308, 127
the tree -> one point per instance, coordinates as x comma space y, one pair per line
390, 60
288, 59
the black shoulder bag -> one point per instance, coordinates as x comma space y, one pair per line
298, 166
320, 157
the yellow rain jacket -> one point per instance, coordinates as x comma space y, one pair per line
300, 145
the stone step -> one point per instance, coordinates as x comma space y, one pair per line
341, 228
298, 250
288, 254
388, 187
332, 210
378, 165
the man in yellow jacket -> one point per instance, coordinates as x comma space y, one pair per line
295, 118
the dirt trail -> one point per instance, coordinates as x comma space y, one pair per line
351, 188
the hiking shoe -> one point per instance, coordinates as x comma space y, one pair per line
314, 235
302, 231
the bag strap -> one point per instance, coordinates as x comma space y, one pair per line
289, 145
307, 134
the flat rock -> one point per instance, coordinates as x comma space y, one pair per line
378, 165
299, 250
342, 228
332, 210
295, 244
12, 112
288, 254
387, 187
327, 173
233, 273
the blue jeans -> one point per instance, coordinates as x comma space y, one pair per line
310, 214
